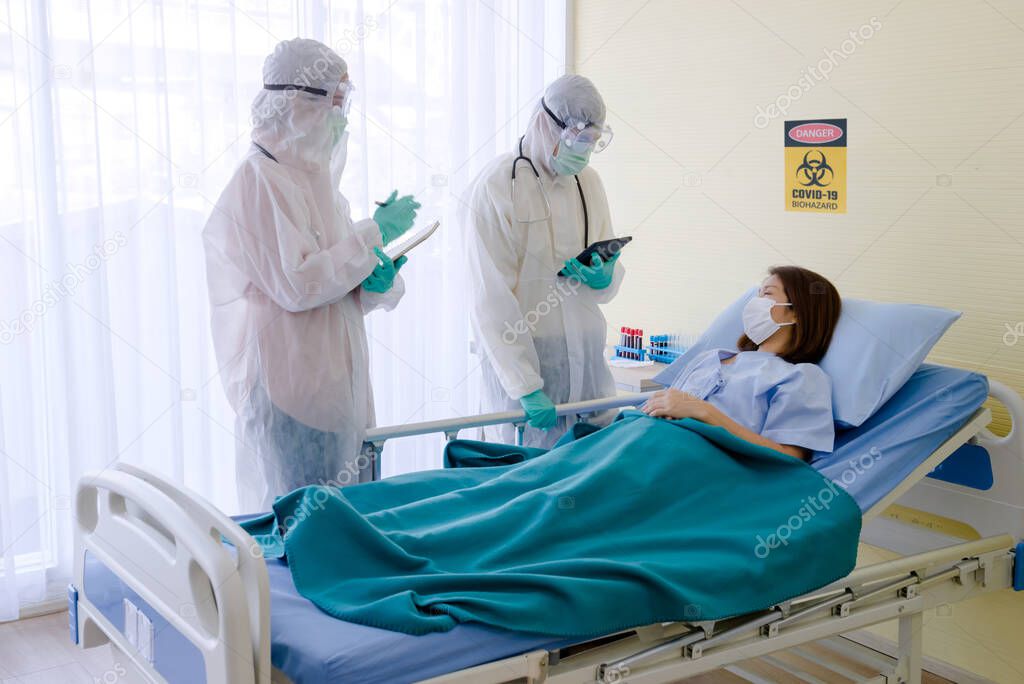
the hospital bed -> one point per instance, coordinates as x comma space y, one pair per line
154, 578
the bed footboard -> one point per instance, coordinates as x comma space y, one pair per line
190, 594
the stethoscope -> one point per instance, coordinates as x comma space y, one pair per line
547, 204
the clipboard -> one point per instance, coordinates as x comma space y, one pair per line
405, 246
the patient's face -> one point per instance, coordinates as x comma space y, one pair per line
773, 289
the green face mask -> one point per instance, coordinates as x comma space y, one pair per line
570, 160
337, 123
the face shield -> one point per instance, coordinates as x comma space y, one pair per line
581, 136
343, 96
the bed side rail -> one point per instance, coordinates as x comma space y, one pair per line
451, 426
376, 437
174, 561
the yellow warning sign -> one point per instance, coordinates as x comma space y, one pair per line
816, 166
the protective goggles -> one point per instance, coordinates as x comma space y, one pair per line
342, 96
582, 134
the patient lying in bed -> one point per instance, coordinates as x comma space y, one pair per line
640, 522
770, 391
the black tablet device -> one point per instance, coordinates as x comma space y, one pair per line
605, 249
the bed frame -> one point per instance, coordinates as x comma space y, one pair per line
165, 544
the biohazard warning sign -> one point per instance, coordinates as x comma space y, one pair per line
816, 166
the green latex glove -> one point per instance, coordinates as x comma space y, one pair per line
383, 276
540, 411
597, 276
395, 216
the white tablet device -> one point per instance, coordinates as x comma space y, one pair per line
401, 248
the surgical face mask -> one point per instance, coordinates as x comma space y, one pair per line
337, 122
568, 160
758, 323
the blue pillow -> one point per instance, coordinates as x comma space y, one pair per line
876, 347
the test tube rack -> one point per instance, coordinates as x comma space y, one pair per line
632, 346
665, 348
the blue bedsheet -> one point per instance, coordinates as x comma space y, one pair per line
869, 461
312, 647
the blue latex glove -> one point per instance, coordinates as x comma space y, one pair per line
597, 276
395, 216
540, 412
383, 276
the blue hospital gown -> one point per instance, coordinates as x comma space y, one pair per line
785, 402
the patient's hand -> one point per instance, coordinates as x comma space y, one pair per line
672, 403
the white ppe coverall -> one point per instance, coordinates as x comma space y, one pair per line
284, 265
533, 328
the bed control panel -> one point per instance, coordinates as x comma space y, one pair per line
138, 630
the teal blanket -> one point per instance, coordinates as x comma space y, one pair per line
644, 521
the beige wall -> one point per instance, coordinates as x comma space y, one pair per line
935, 102
937, 91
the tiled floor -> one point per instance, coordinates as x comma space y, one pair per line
38, 651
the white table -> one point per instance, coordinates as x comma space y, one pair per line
632, 380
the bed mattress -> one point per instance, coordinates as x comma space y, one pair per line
870, 460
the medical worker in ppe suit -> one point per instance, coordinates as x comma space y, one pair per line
541, 335
291, 276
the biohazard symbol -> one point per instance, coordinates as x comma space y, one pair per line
814, 170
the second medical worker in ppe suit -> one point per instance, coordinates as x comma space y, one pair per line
291, 276
542, 336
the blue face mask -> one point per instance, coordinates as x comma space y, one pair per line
569, 160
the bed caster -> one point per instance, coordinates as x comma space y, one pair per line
612, 675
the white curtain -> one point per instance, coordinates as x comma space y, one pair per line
8, 585
443, 87
120, 122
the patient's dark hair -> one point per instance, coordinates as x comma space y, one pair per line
816, 305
